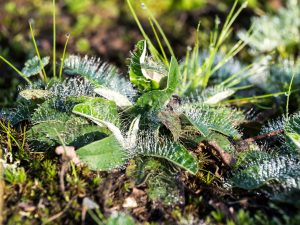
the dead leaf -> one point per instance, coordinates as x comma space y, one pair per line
137, 192
130, 202
26, 206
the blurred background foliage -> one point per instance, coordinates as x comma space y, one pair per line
106, 29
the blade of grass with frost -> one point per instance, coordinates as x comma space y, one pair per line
161, 48
54, 41
197, 55
256, 97
186, 65
16, 70
224, 34
246, 68
153, 50
234, 50
63, 58
37, 51
161, 31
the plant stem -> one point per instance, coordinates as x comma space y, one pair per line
161, 32
37, 52
16, 70
153, 50
186, 66
63, 143
63, 58
54, 40
162, 50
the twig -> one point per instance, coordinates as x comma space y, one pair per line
273, 133
61, 212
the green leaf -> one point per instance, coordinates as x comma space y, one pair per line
293, 141
101, 118
222, 141
250, 178
171, 151
36, 96
135, 72
43, 136
171, 121
106, 154
292, 133
202, 128
153, 101
60, 110
264, 169
218, 119
289, 196
33, 66
120, 100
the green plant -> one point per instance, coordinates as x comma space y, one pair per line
141, 122
279, 31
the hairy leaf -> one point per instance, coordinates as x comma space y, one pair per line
259, 172
43, 136
33, 66
204, 116
201, 127
171, 151
120, 100
106, 154
60, 110
101, 75
108, 120
36, 96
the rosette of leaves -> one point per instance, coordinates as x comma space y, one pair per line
149, 103
156, 85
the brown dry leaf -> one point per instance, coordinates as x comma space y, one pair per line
26, 206
137, 192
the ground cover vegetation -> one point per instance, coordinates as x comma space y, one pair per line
85, 145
